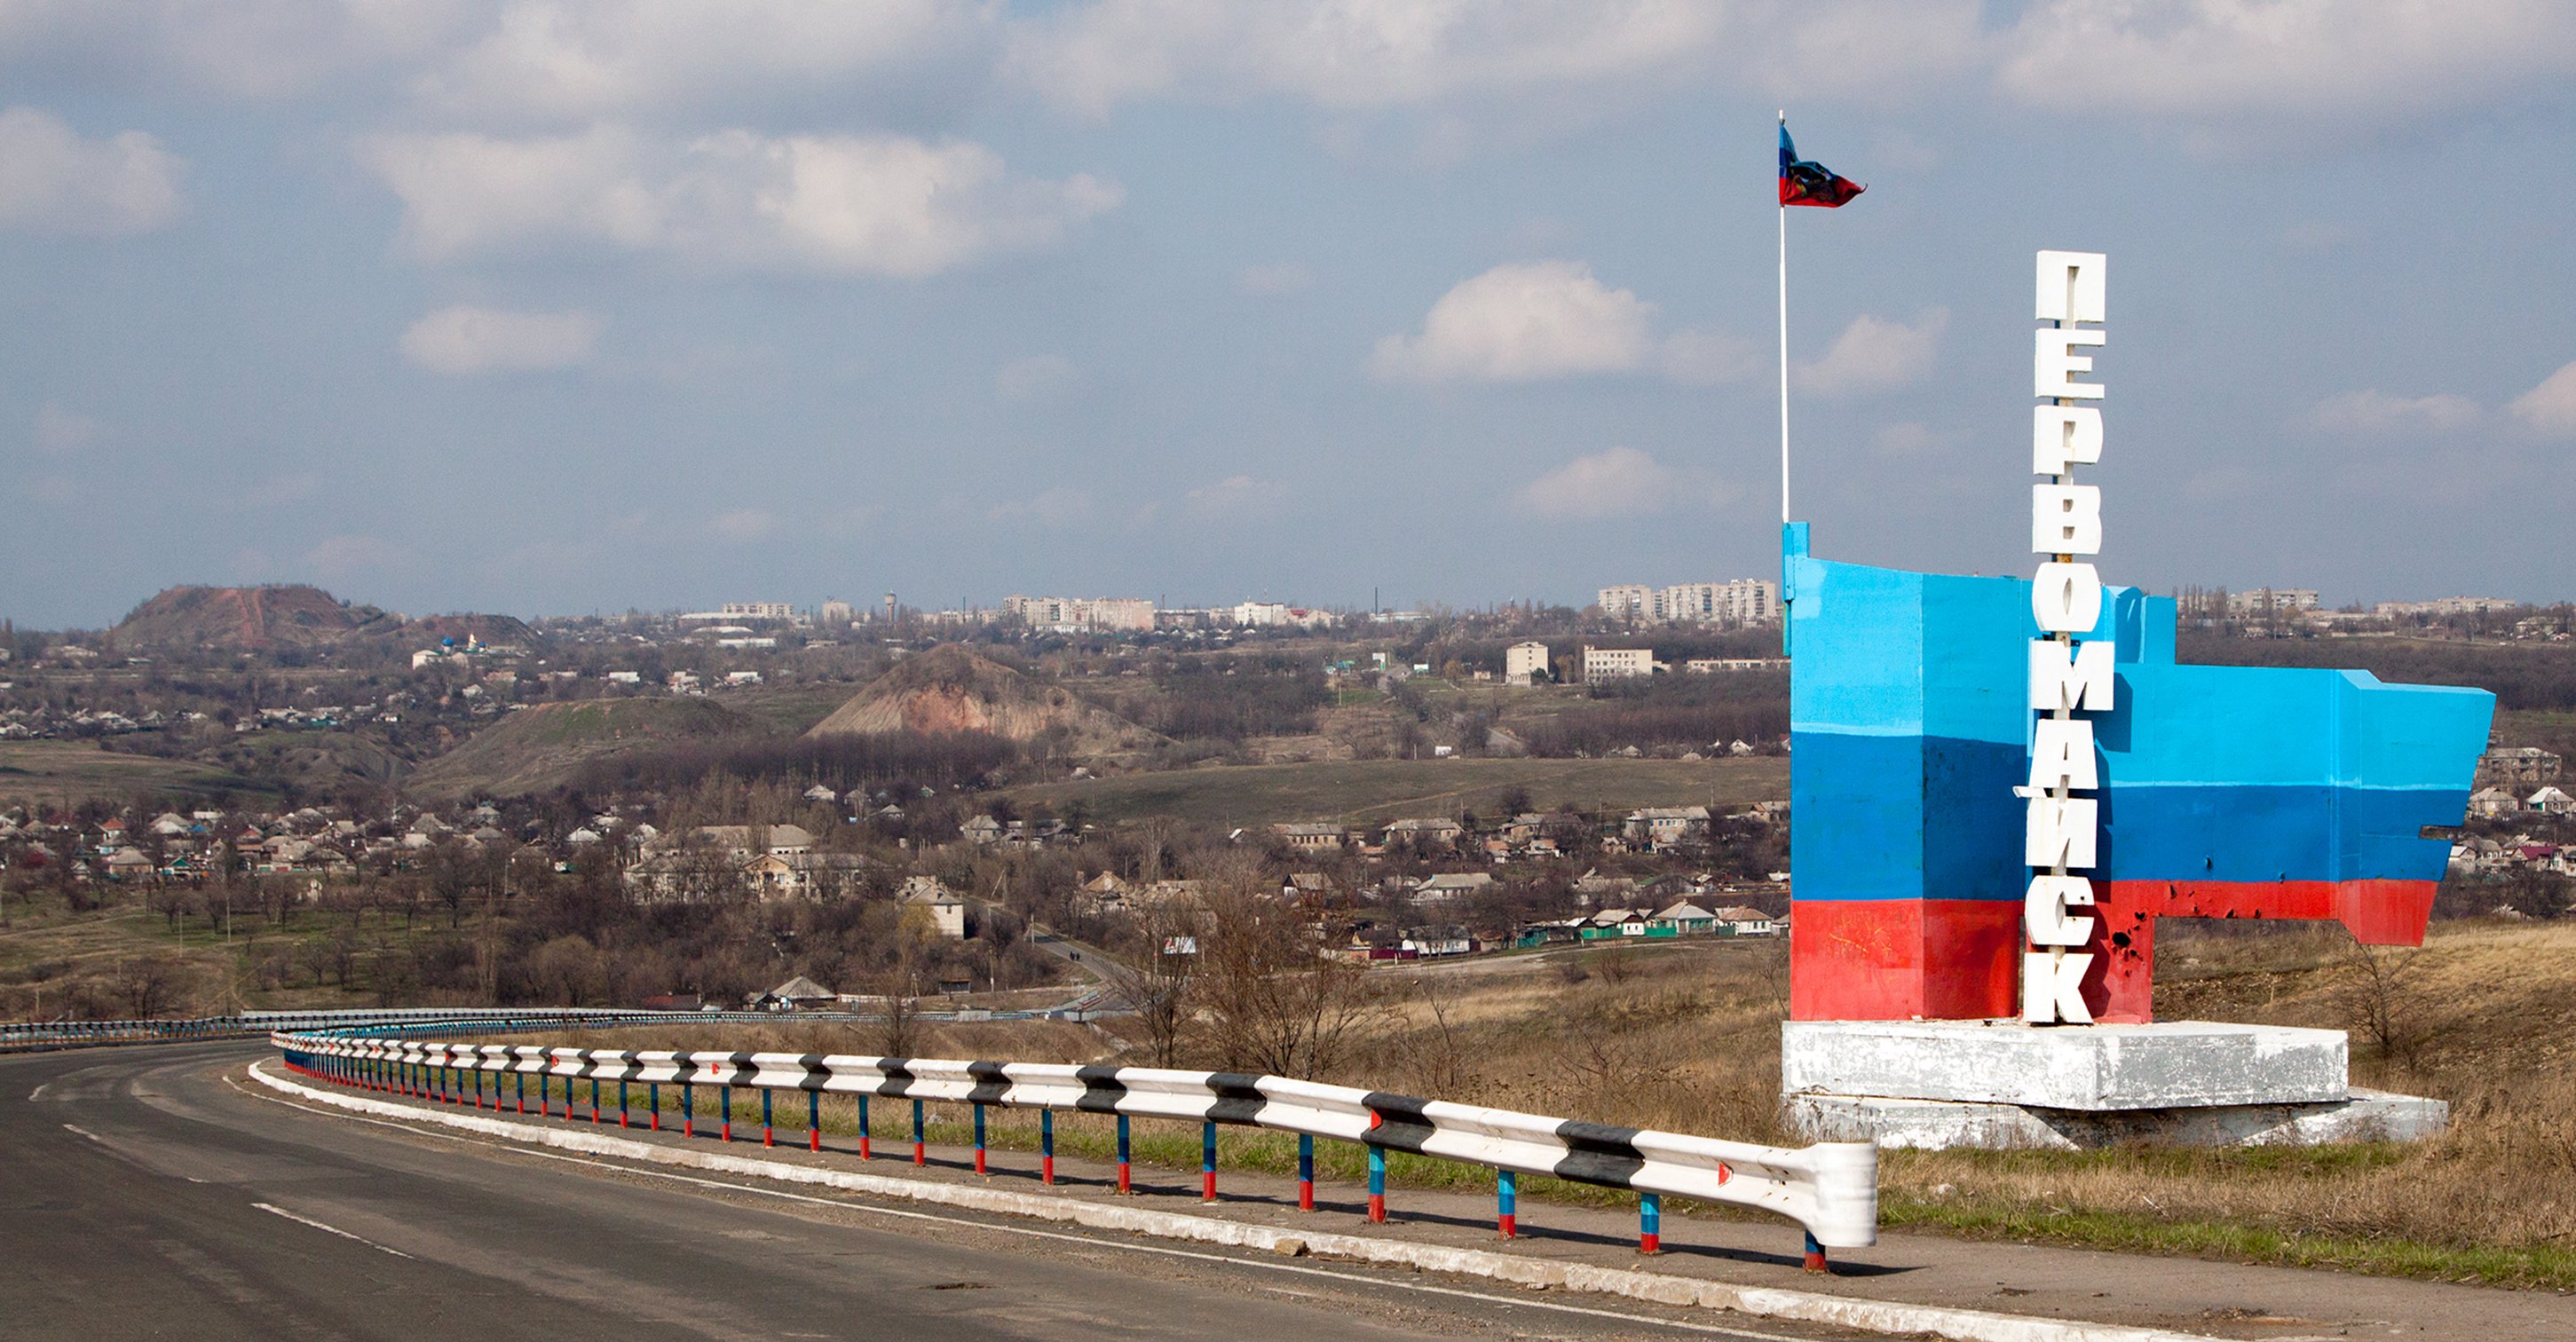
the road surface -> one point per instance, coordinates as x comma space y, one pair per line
148, 1192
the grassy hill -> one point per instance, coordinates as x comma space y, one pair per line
247, 617
71, 771
544, 746
1362, 790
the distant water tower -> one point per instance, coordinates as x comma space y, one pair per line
889, 608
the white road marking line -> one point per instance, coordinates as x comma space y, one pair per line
69, 1127
38, 1093
1351, 1278
327, 1229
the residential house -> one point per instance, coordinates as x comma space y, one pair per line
2493, 802
947, 912
1438, 834
1525, 663
1312, 837
1450, 886
1685, 919
981, 830
1661, 827
2553, 801
1739, 920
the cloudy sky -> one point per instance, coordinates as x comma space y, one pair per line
544, 306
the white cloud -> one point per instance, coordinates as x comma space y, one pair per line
1234, 496
1034, 378
60, 430
2550, 408
885, 205
1620, 482
1876, 354
2353, 63
54, 181
554, 58
1062, 506
1283, 278
1523, 321
742, 524
461, 340
255, 49
2379, 412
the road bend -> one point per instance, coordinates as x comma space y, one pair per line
149, 1192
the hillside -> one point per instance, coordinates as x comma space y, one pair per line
543, 746
1356, 791
500, 630
949, 689
253, 618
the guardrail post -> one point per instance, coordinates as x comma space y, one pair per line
1377, 1185
1507, 1187
522, 1079
621, 1102
1123, 1185
1815, 1254
724, 1099
813, 1120
1207, 1162
979, 1139
1046, 1146
1305, 1171
688, 1109
594, 1099
866, 1130
1650, 1223
767, 1137
653, 1101
920, 1144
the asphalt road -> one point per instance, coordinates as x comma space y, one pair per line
145, 1192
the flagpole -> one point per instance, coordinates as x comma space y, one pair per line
1784, 348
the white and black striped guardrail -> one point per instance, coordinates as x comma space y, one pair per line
27, 1036
1830, 1188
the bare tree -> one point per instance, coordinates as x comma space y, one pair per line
899, 992
1273, 1002
1156, 986
2381, 998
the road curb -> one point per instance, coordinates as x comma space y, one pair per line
1877, 1316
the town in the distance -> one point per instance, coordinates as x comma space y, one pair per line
323, 779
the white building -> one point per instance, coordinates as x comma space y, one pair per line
1525, 663
1629, 601
2279, 600
1600, 664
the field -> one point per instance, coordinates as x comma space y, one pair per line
1370, 790
59, 772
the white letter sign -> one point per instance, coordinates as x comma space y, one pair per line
2070, 669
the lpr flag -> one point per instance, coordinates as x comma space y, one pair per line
1807, 182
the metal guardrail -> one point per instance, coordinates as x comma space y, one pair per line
1830, 1188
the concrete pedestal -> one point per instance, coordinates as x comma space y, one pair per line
2002, 1084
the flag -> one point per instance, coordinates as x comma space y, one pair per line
1806, 182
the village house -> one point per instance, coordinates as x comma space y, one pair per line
2493, 803
1439, 834
1311, 837
1661, 827
947, 912
1450, 886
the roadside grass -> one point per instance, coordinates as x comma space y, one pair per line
1362, 790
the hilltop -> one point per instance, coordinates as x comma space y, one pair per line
251, 618
544, 746
949, 689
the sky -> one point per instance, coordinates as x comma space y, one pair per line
552, 307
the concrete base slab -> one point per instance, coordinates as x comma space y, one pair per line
2088, 1068
2365, 1115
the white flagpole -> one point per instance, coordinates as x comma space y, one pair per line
1784, 349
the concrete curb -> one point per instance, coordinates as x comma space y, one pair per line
1877, 1316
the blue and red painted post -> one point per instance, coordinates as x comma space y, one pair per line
1207, 1162
1123, 1165
1046, 1146
594, 1100
1305, 1172
979, 1139
1650, 1223
688, 1109
522, 1080
1377, 1185
1507, 1188
920, 1143
653, 1098
767, 1137
865, 1129
1815, 1255
813, 1120
724, 1101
